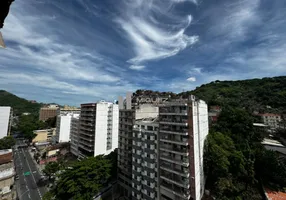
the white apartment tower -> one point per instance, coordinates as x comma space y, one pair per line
5, 121
183, 127
63, 131
98, 129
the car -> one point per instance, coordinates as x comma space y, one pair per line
17, 177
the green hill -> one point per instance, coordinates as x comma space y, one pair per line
18, 104
266, 94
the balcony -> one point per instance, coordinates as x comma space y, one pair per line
181, 193
185, 172
184, 162
175, 132
174, 122
177, 180
86, 123
89, 144
175, 150
178, 112
85, 148
175, 140
86, 129
89, 139
90, 134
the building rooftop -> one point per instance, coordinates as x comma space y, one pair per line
271, 142
6, 156
5, 151
259, 125
272, 195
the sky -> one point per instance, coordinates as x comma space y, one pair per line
78, 51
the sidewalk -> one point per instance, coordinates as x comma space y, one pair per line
39, 167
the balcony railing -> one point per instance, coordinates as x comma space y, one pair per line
185, 172
173, 112
175, 132
183, 162
181, 182
183, 194
171, 149
86, 143
85, 148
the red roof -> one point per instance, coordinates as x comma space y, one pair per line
272, 195
6, 158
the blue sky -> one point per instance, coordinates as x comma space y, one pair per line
76, 51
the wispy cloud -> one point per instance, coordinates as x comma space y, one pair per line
137, 67
191, 79
152, 39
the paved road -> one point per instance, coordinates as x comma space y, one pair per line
26, 186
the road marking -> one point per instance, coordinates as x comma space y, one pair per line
29, 196
34, 172
33, 176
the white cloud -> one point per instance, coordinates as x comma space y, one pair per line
191, 79
137, 67
153, 39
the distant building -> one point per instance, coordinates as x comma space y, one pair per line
98, 129
44, 135
5, 121
48, 112
274, 145
74, 135
68, 110
270, 119
214, 112
64, 127
7, 173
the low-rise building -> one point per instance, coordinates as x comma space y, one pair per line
270, 119
44, 135
5, 120
7, 173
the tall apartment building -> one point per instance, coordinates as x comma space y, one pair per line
145, 159
271, 120
74, 134
98, 129
48, 112
64, 127
183, 127
130, 110
68, 110
5, 120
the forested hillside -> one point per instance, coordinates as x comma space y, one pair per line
18, 104
253, 94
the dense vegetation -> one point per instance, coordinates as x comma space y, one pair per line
28, 123
7, 142
235, 161
253, 94
82, 179
18, 104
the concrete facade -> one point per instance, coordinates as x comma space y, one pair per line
182, 131
130, 111
145, 159
44, 135
74, 135
98, 129
5, 121
272, 120
7, 173
64, 127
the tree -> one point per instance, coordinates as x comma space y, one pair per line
51, 168
7, 142
83, 179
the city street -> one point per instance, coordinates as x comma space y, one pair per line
28, 175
